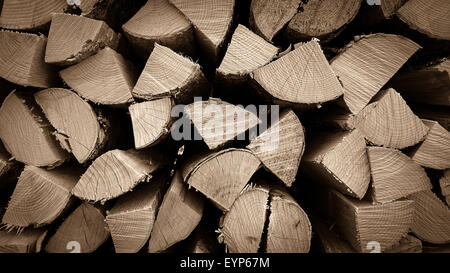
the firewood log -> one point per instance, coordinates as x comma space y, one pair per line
85, 225
26, 134
72, 39
111, 86
231, 170
117, 172
178, 215
407, 244
364, 66
444, 183
28, 241
40, 196
432, 112
22, 60
10, 169
168, 27
394, 175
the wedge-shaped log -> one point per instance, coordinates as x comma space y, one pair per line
394, 175
26, 134
179, 214
74, 38
301, 77
219, 122
168, 27
339, 160
167, 73
85, 225
444, 183
28, 241
22, 60
431, 218
364, 66
281, 147
40, 196
133, 216
117, 172
111, 86
77, 125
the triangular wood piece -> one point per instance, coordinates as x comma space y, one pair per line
444, 183
303, 76
366, 65
30, 240
160, 22
394, 175
280, 148
389, 122
110, 86
22, 60
72, 38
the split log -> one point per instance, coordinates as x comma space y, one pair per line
28, 15
321, 19
388, 121
40, 196
394, 175
167, 73
360, 222
431, 219
133, 216
72, 39
230, 170
432, 112
178, 215
281, 147
301, 77
22, 59
364, 66
160, 22
212, 22
339, 160
219, 122
267, 19
430, 85
151, 121
85, 225
444, 183
26, 134
429, 17
110, 86
117, 172
434, 151
28, 241
407, 244
77, 125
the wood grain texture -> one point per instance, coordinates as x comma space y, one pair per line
28, 241
444, 183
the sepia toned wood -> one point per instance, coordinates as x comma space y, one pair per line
73, 38
10, 169
432, 112
444, 183
85, 225
430, 84
431, 218
160, 22
328, 240
365, 65
30, 240
178, 215
77, 125
117, 172
267, 18
394, 175
434, 151
301, 77
22, 59
151, 121
26, 134
133, 216
212, 22
203, 240
407, 244
219, 122
230, 170
339, 160
427, 17
321, 19
110, 86
388, 121
167, 73
40, 196
281, 146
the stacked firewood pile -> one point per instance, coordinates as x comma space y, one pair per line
199, 126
